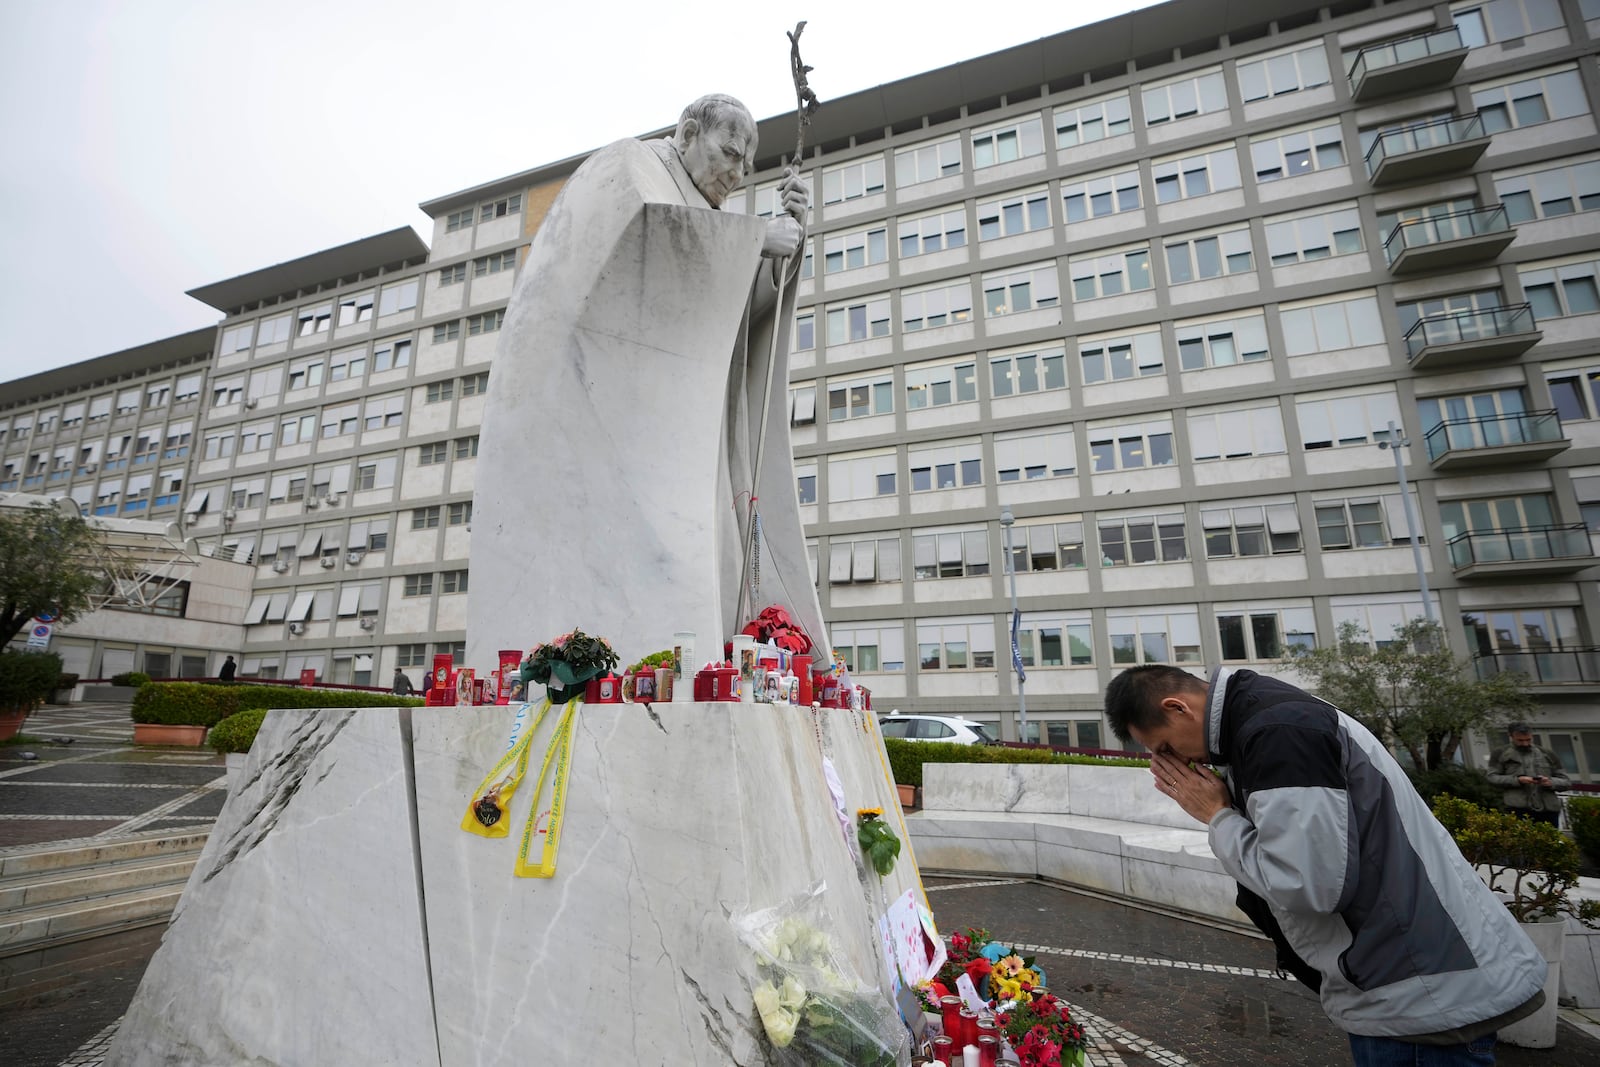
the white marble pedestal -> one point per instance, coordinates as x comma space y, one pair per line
351, 920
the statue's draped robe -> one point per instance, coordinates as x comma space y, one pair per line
620, 429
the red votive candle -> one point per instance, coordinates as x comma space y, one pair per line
969, 1027
943, 1050
988, 1050
950, 1010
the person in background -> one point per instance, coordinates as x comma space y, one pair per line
1530, 776
402, 684
228, 670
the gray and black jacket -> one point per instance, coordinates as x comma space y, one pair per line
1369, 890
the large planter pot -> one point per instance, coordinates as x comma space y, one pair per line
11, 724
150, 733
908, 795
1539, 1029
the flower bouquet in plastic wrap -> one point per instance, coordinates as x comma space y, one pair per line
814, 1010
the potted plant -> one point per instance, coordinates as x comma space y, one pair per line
233, 736
179, 713
1533, 868
26, 680
563, 665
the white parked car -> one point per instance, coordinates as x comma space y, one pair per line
949, 728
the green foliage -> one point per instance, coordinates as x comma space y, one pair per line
46, 566
237, 732
1454, 780
1524, 859
1584, 813
130, 679
203, 704
1413, 693
907, 757
27, 678
66, 680
583, 655
878, 842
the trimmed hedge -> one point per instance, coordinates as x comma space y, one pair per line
202, 704
27, 678
1584, 814
130, 679
907, 757
237, 732
1454, 780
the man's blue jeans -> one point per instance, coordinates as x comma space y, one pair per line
1390, 1052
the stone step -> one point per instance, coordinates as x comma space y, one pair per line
31, 928
67, 885
94, 852
38, 972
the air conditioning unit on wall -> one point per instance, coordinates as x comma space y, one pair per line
369, 624
297, 627
354, 558
328, 562
312, 502
281, 565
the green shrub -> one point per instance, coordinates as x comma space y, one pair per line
27, 678
907, 757
1584, 813
1525, 859
130, 679
66, 681
1455, 780
206, 704
237, 732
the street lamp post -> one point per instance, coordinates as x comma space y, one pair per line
1397, 441
1006, 520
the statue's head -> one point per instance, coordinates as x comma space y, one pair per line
717, 139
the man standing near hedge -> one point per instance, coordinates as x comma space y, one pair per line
1411, 954
228, 670
1530, 776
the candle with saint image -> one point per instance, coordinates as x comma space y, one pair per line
744, 659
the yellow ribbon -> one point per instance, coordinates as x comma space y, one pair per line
500, 783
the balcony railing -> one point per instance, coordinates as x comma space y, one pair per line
1494, 431
1441, 145
1426, 58
1487, 333
1526, 544
1565, 666
1461, 236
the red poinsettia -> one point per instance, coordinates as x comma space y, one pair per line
775, 625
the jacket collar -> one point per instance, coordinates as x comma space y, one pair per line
1216, 696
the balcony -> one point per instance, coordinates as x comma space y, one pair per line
1444, 242
1407, 65
1496, 440
1466, 338
1566, 666
1431, 149
1521, 552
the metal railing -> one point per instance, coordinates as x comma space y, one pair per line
1404, 50
1438, 229
1436, 134
1457, 327
1493, 431
1520, 545
1566, 666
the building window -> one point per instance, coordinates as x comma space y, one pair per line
453, 582
957, 552
188, 388
1007, 141
945, 466
376, 473
418, 585
257, 437
1251, 530
1308, 237
1093, 121
1222, 342
1118, 358
933, 232
1100, 197
805, 482
1031, 370
1047, 546
494, 264
447, 331
1357, 419
857, 476
1212, 255
1017, 213
850, 251
1198, 174
1131, 446
459, 220
425, 518
273, 331
1236, 433
1027, 289
1051, 639
871, 559
237, 338
932, 307
1576, 394
460, 514
411, 655
1154, 635
925, 162
859, 321
1355, 523
940, 384
1027, 455
1493, 514
1196, 95
1521, 630
1505, 20
957, 644
456, 650
1548, 194
499, 209
803, 406
805, 331
314, 320
218, 445
306, 374
127, 404
440, 391
1290, 155
1287, 72
862, 397
1110, 273
1529, 101
297, 429
357, 307
467, 447
488, 322
226, 391
852, 181
870, 647
1565, 289
341, 420
391, 354
351, 364
1256, 634
475, 384
1479, 300
1142, 539
452, 275
1309, 329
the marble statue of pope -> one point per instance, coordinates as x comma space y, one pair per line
619, 436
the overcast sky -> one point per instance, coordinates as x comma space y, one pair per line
157, 145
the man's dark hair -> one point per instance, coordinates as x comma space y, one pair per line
1133, 699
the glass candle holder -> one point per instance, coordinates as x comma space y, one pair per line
969, 1027
988, 1050
943, 1050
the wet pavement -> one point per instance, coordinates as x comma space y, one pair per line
1151, 988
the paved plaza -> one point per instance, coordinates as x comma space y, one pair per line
1151, 988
